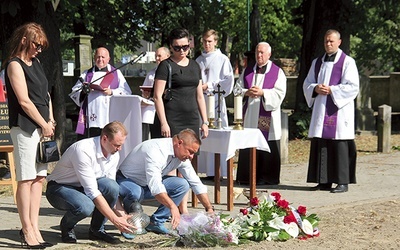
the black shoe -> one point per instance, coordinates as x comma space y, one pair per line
46, 244
24, 244
340, 188
102, 235
68, 236
323, 186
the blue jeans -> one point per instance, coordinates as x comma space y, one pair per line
130, 192
78, 205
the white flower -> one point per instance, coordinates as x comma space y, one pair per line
277, 223
273, 236
292, 229
253, 218
307, 227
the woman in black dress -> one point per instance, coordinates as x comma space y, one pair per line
187, 102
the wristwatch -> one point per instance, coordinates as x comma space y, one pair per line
206, 123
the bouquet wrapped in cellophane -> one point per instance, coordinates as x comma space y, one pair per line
203, 230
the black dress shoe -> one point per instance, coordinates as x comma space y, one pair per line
340, 188
68, 236
46, 244
322, 186
102, 235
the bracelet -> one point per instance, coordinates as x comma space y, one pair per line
54, 122
206, 123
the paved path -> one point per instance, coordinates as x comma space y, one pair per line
377, 176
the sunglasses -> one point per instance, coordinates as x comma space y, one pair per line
38, 46
179, 48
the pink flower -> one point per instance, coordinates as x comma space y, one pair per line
244, 211
302, 210
254, 201
283, 204
276, 195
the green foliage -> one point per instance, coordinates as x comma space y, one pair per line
376, 30
299, 122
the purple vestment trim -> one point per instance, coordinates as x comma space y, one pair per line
330, 119
264, 118
81, 125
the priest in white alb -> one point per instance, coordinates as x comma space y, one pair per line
330, 88
216, 69
264, 87
95, 104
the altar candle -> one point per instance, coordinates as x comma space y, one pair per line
211, 106
237, 106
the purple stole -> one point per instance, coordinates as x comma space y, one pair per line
81, 125
264, 118
330, 119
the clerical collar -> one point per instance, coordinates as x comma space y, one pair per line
97, 69
262, 69
330, 58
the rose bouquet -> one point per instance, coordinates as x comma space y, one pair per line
274, 219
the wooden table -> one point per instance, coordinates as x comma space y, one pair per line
227, 141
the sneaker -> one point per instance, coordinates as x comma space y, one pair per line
158, 229
103, 236
128, 236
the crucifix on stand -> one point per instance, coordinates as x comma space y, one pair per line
220, 93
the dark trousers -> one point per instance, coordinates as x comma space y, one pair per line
268, 166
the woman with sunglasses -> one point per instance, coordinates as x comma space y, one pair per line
30, 118
187, 105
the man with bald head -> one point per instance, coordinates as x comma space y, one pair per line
264, 88
162, 53
95, 103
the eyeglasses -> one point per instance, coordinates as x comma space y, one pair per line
179, 48
38, 46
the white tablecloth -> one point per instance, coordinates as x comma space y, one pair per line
128, 110
228, 140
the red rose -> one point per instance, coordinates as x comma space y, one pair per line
244, 211
276, 195
289, 218
254, 201
302, 210
283, 204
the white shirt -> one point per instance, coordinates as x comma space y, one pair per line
82, 164
151, 160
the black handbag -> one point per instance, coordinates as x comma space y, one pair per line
47, 151
167, 96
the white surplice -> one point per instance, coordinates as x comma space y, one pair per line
271, 101
215, 69
98, 103
343, 96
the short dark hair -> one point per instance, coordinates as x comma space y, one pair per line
113, 128
178, 34
188, 136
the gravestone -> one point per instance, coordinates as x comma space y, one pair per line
365, 120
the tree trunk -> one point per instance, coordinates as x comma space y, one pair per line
319, 16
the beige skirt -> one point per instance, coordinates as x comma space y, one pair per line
25, 150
